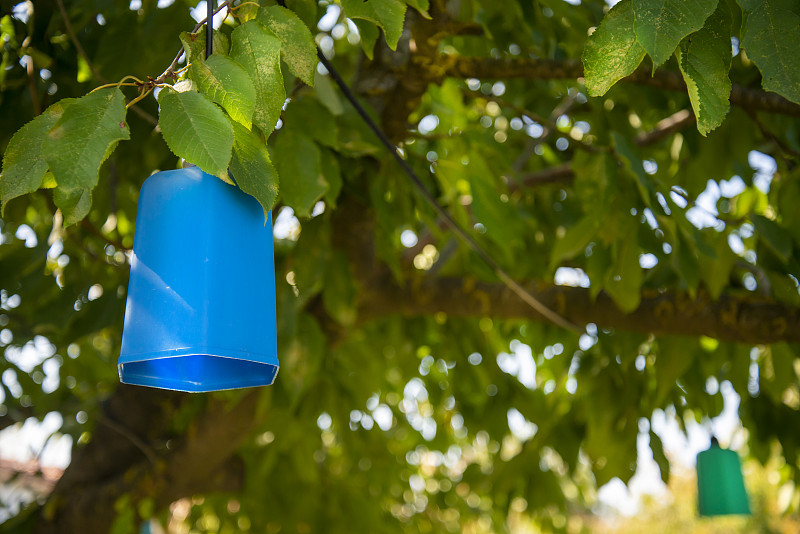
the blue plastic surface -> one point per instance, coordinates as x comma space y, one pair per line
200, 314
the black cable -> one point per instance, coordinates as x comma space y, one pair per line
521, 292
209, 27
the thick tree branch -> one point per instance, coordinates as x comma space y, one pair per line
745, 318
113, 464
545, 69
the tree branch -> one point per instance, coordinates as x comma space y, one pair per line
666, 127
547, 69
558, 174
745, 318
112, 465
77, 43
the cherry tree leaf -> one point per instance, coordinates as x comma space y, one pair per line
771, 39
252, 168
298, 160
196, 130
388, 14
704, 58
74, 204
258, 50
84, 136
194, 45
611, 52
368, 33
420, 5
661, 24
24, 166
624, 281
297, 45
227, 83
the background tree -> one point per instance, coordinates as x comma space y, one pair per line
635, 168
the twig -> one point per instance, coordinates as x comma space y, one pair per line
692, 203
37, 108
764, 285
77, 43
170, 71
771, 136
142, 113
552, 175
133, 438
86, 225
145, 115
666, 127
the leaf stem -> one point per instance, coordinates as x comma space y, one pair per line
118, 84
138, 98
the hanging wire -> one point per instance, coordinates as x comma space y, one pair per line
518, 290
209, 27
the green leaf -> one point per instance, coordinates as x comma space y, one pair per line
306, 111
574, 240
633, 163
777, 239
84, 136
306, 10
771, 39
311, 255
298, 161
420, 5
196, 130
674, 358
226, 82
596, 179
658, 455
339, 291
297, 45
661, 24
624, 282
704, 58
74, 204
611, 52
252, 168
327, 95
598, 266
715, 273
24, 165
388, 14
258, 51
369, 33
498, 218
685, 262
333, 175
194, 44
782, 375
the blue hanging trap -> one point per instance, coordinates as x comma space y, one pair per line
200, 314
720, 485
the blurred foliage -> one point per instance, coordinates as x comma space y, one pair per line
676, 509
393, 413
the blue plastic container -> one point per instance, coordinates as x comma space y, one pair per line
200, 314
